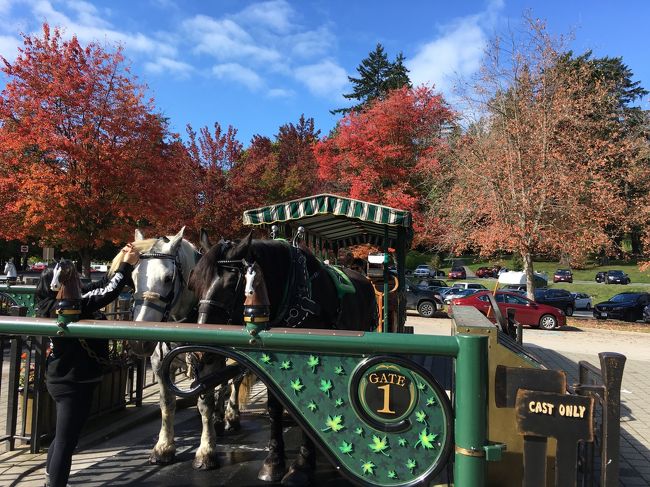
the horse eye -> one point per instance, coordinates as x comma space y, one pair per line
168, 278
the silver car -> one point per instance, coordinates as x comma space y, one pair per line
583, 301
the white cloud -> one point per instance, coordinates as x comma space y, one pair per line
280, 93
238, 73
275, 15
226, 40
166, 65
456, 52
9, 47
311, 43
326, 78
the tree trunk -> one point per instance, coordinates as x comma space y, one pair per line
85, 262
565, 259
530, 275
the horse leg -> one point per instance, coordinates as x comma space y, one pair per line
274, 466
206, 457
232, 407
165, 449
301, 471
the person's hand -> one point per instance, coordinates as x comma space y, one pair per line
131, 255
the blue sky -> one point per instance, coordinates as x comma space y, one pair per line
259, 64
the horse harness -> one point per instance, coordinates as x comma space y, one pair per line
172, 297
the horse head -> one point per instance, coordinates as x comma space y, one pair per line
219, 278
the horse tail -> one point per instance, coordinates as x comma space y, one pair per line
246, 388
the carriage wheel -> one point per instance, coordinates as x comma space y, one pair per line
6, 302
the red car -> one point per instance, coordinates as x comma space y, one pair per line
563, 275
484, 272
527, 312
457, 273
38, 267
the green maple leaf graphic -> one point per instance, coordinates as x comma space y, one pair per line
312, 406
346, 448
313, 362
334, 423
339, 402
392, 474
411, 464
338, 370
421, 417
421, 386
266, 359
426, 439
326, 386
358, 431
379, 445
285, 365
431, 401
297, 386
368, 468
402, 442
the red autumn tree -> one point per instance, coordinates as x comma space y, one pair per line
81, 150
540, 171
389, 152
212, 157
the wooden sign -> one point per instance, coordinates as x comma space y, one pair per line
508, 380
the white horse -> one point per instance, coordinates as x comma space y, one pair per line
160, 293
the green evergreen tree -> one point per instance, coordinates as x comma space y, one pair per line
377, 76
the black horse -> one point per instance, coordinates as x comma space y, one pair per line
301, 293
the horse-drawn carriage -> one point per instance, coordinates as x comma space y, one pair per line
369, 401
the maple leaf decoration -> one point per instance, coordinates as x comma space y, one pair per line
312, 406
338, 370
392, 474
297, 386
313, 362
379, 445
346, 448
334, 423
426, 439
358, 431
285, 365
421, 417
368, 468
431, 401
266, 359
411, 464
326, 386
339, 402
421, 386
402, 442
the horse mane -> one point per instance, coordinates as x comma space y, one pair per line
139, 245
203, 274
186, 253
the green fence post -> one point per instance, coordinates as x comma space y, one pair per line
471, 411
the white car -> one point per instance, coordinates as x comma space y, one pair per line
469, 285
583, 301
423, 271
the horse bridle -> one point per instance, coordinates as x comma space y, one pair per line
234, 266
172, 297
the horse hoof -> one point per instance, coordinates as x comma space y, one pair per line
233, 425
161, 458
206, 463
272, 472
298, 476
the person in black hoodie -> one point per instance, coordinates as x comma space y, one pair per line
72, 371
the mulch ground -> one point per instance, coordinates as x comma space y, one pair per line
608, 325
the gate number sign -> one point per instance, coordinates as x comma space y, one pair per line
24, 249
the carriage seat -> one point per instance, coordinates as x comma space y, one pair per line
341, 281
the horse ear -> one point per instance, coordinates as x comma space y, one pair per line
176, 239
138, 235
205, 241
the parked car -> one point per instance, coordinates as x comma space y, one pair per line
424, 301
431, 284
423, 271
646, 314
600, 276
624, 306
469, 285
582, 300
457, 273
560, 298
527, 312
617, 277
563, 275
485, 272
38, 267
455, 293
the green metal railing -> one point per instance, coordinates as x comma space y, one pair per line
470, 422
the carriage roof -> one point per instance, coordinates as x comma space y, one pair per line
336, 221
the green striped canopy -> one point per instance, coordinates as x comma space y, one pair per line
337, 221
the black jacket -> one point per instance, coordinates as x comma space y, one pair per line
69, 361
